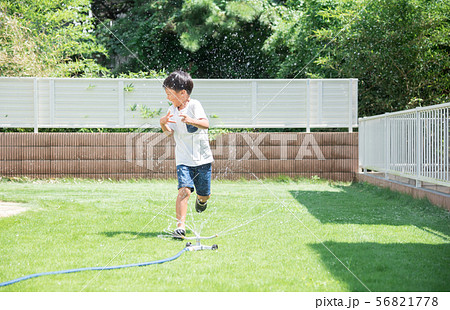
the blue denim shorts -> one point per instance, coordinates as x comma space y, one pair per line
195, 177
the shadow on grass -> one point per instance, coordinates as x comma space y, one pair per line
382, 267
133, 233
389, 267
369, 205
136, 234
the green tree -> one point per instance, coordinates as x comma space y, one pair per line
19, 54
399, 50
210, 38
48, 38
141, 37
298, 39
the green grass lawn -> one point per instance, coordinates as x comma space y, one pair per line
273, 236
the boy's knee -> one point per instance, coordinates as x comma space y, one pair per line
184, 192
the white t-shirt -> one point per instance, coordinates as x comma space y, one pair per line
192, 143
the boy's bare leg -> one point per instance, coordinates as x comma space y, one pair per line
181, 206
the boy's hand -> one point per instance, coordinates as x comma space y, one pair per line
186, 119
201, 123
166, 119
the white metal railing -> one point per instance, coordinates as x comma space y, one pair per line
412, 143
128, 103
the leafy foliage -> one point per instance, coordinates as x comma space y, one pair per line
48, 38
399, 50
18, 48
211, 39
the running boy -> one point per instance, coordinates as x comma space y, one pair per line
186, 121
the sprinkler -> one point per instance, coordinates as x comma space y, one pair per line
198, 246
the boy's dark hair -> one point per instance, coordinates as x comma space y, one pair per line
179, 80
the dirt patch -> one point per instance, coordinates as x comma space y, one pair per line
11, 208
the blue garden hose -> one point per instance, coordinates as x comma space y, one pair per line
93, 268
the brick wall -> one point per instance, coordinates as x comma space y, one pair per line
149, 155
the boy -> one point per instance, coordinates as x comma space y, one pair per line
186, 121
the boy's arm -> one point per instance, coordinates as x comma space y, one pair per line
164, 121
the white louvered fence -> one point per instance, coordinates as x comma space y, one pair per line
131, 103
412, 144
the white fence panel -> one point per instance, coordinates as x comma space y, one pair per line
412, 144
230, 101
17, 102
123, 103
81, 102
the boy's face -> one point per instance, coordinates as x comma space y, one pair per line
178, 98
